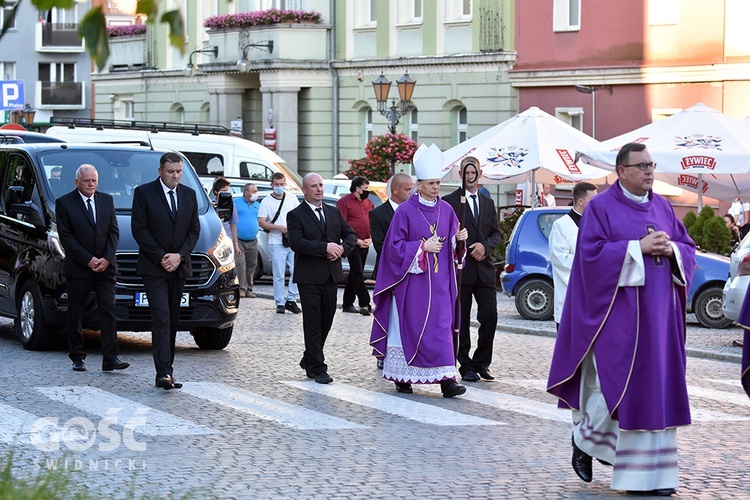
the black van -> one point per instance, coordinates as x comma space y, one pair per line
32, 288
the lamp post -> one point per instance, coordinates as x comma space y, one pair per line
382, 87
589, 89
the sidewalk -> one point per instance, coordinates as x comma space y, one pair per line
701, 342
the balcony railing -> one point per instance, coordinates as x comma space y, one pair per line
60, 95
58, 37
127, 53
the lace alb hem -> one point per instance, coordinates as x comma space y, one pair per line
395, 369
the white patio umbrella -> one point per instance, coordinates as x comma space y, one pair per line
700, 149
531, 143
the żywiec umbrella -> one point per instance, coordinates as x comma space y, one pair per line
532, 141
700, 149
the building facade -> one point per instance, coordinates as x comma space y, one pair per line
42, 50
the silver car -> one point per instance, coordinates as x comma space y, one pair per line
264, 255
736, 287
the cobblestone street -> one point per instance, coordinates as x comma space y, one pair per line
249, 424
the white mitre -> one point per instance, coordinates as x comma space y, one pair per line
428, 162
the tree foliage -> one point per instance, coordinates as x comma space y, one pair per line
709, 232
93, 27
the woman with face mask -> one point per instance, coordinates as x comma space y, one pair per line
356, 208
246, 256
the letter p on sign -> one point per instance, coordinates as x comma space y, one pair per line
11, 94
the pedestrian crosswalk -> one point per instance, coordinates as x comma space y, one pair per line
333, 411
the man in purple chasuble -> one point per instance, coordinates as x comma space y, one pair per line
415, 291
619, 360
744, 322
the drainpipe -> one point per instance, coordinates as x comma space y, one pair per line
335, 90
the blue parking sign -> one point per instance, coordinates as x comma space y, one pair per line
11, 94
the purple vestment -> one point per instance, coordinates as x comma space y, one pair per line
637, 333
425, 301
744, 322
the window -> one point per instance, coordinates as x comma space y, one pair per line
414, 125
368, 125
457, 10
466, 8
6, 12
566, 15
571, 116
63, 16
365, 13
128, 110
178, 114
417, 10
20, 173
57, 72
462, 126
8, 70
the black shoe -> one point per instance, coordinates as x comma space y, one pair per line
292, 306
470, 376
403, 388
114, 364
365, 311
350, 309
451, 388
165, 382
380, 364
663, 492
582, 463
323, 378
176, 384
485, 373
79, 366
280, 310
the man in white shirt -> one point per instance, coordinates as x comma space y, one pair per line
548, 199
272, 219
562, 243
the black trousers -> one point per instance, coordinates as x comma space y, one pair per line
103, 287
318, 308
486, 297
355, 282
164, 296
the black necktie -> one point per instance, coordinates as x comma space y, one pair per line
91, 210
476, 206
320, 216
172, 202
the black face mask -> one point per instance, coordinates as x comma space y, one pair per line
364, 195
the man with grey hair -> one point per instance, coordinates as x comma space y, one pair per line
246, 208
87, 225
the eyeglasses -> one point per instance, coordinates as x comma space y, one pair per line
643, 166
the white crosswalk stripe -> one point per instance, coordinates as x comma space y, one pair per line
516, 404
406, 408
141, 418
266, 408
16, 426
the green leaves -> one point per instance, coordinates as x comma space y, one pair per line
94, 30
48, 4
176, 29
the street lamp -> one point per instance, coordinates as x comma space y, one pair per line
405, 90
190, 69
243, 65
589, 89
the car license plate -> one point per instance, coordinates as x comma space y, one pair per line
141, 300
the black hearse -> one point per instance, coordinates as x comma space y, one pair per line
32, 288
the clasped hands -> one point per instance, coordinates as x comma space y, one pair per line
435, 244
657, 243
334, 251
364, 243
171, 261
98, 264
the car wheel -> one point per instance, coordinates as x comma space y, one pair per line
258, 269
212, 338
30, 325
708, 309
535, 300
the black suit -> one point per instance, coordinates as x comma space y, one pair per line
82, 240
478, 280
158, 233
315, 275
380, 221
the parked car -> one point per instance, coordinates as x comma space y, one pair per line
527, 275
32, 289
736, 287
11, 136
341, 187
264, 255
237, 184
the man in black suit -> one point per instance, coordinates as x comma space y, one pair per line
165, 225
401, 186
478, 276
320, 237
87, 225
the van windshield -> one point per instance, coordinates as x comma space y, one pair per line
120, 171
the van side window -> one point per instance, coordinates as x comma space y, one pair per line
20, 173
250, 170
205, 163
